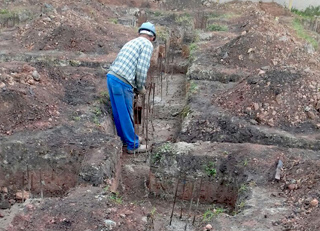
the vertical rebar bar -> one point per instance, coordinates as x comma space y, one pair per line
198, 199
41, 184
183, 190
191, 200
22, 186
174, 200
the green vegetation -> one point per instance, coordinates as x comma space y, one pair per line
4, 11
210, 213
104, 97
116, 198
113, 20
309, 12
157, 13
164, 148
193, 87
243, 188
303, 34
185, 111
210, 169
184, 19
162, 33
216, 27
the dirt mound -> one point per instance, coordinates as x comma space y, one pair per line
77, 28
265, 42
275, 98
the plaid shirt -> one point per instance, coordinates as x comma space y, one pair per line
133, 61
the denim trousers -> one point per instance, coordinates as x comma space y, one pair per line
121, 97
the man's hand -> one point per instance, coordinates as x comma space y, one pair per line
142, 91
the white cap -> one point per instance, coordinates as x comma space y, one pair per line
146, 32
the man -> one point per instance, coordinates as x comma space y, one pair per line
127, 75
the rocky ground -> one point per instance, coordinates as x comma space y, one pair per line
233, 92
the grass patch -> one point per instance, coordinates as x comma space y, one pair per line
309, 12
210, 213
303, 34
184, 19
210, 169
4, 11
216, 27
113, 20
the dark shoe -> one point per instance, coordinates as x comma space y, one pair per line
142, 148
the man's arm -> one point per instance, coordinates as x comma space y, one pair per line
143, 66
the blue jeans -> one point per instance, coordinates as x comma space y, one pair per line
121, 97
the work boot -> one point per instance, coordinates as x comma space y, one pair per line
142, 148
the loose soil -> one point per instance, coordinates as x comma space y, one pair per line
232, 103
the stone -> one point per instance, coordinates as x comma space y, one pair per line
2, 85
36, 75
314, 203
292, 186
22, 195
4, 190
208, 227
110, 224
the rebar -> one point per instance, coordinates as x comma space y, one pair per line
174, 200
41, 184
197, 206
191, 200
183, 190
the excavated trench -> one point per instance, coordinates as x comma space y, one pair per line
198, 167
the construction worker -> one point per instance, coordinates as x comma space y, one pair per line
127, 75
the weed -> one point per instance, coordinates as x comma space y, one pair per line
215, 27
153, 211
113, 20
241, 205
310, 11
4, 11
210, 169
184, 19
116, 198
225, 153
103, 97
157, 13
193, 47
97, 111
210, 213
162, 33
245, 162
302, 33
106, 189
185, 111
76, 118
156, 157
167, 147
193, 87
243, 188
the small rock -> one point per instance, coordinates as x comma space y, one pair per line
243, 32
265, 68
1, 215
25, 196
122, 215
36, 75
256, 106
4, 190
110, 224
314, 203
292, 186
208, 227
2, 85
